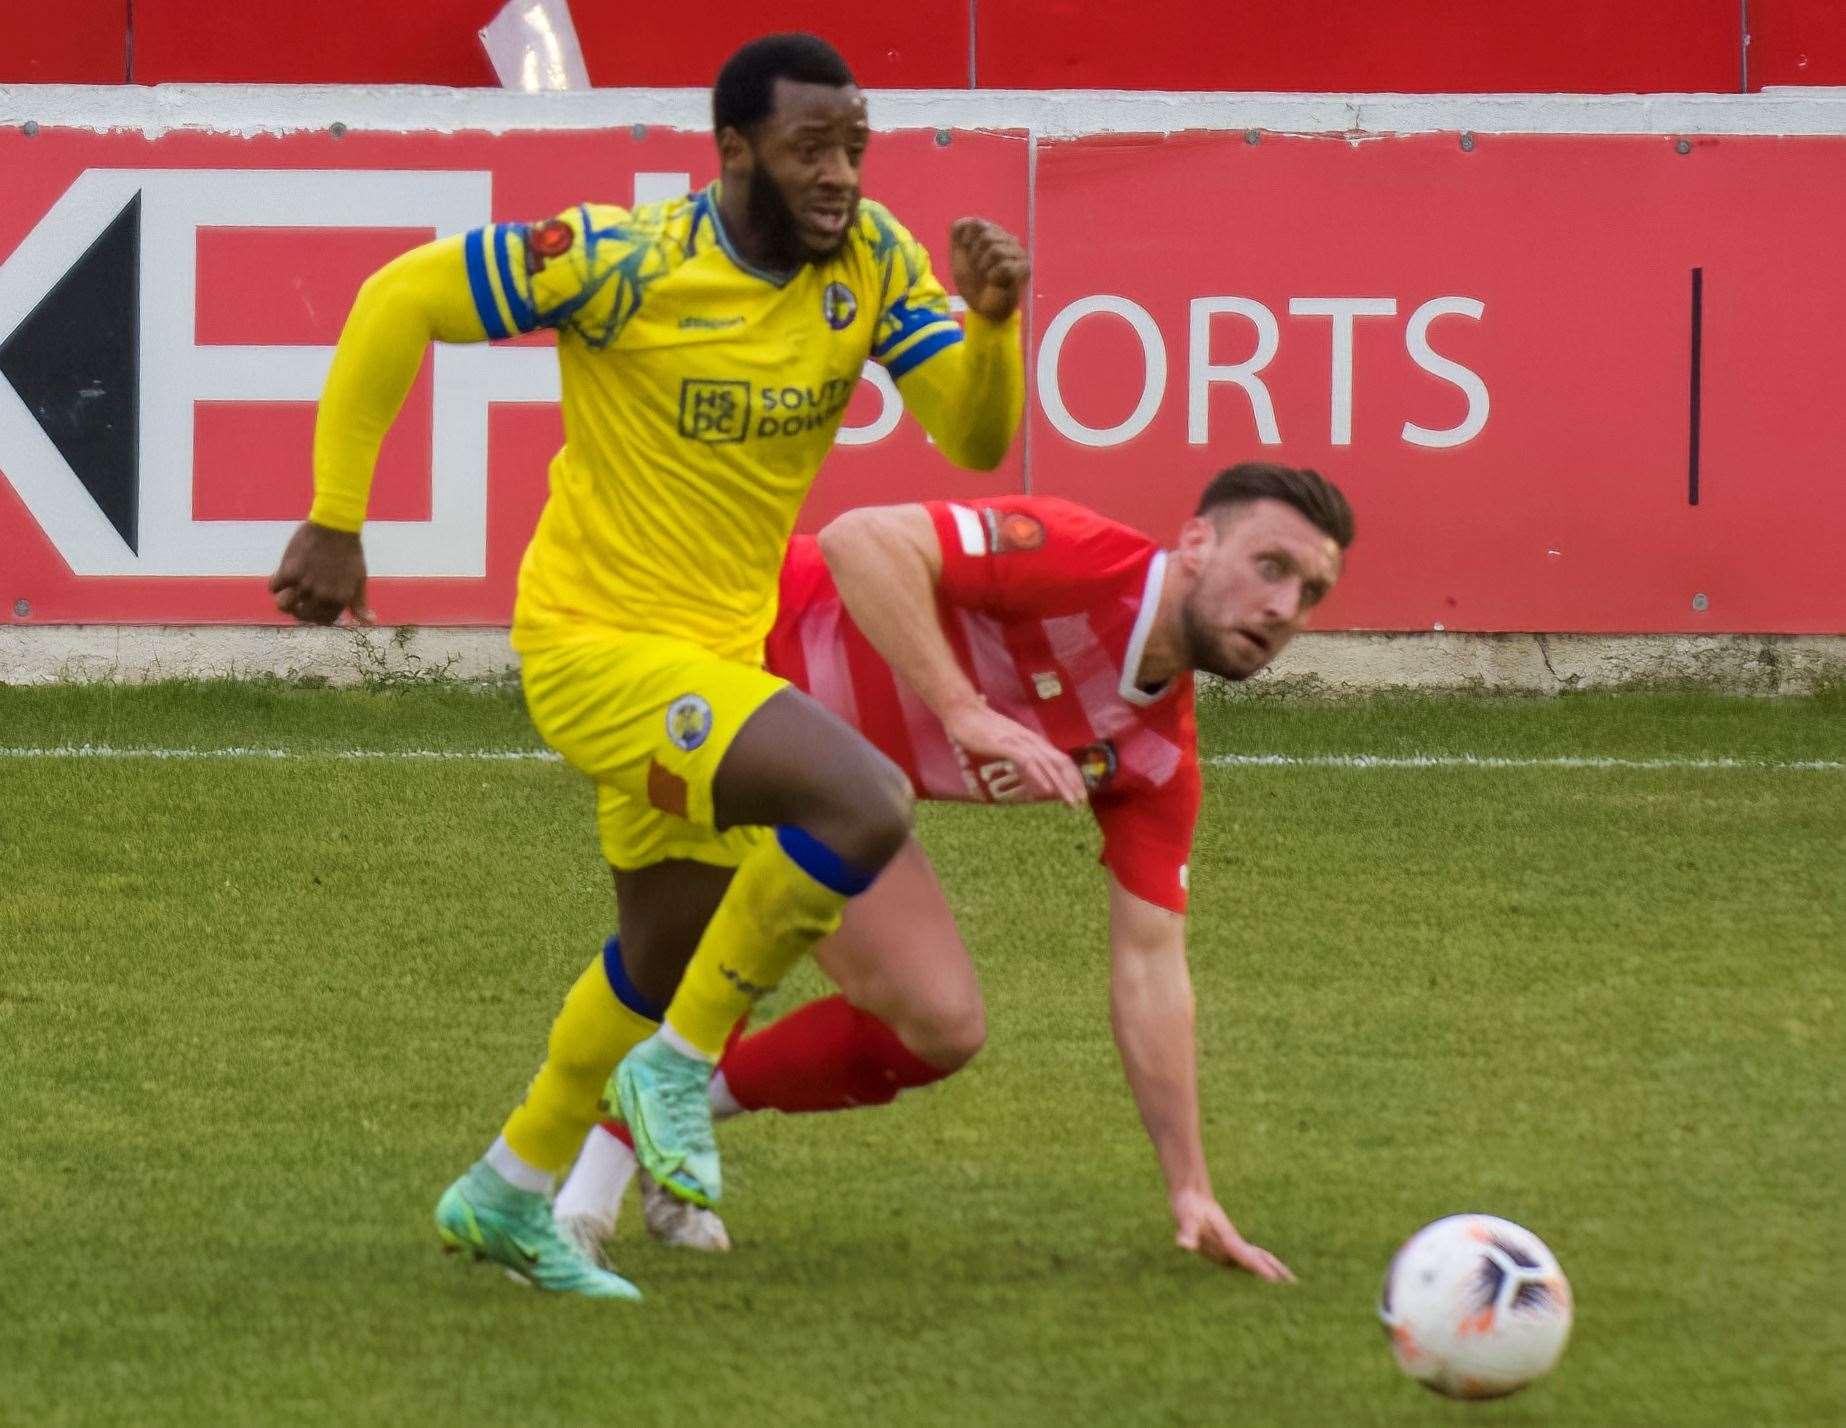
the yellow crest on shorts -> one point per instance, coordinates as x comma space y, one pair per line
688, 722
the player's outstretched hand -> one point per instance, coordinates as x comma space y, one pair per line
1206, 1230
989, 265
322, 575
986, 736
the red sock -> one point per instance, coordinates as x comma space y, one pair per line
825, 1056
621, 1132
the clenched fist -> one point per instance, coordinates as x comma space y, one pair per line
990, 267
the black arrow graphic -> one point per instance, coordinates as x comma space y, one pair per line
75, 362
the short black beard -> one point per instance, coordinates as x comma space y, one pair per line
772, 222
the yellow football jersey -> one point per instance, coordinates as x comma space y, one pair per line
700, 397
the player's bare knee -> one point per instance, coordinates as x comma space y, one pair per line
873, 822
893, 813
948, 1038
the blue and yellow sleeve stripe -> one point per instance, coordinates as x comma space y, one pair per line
915, 335
496, 259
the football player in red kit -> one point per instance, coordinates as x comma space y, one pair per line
1068, 642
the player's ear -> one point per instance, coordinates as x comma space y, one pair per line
1196, 538
735, 156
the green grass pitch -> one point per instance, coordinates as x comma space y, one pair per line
256, 1013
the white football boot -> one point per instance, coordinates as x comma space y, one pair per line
672, 1221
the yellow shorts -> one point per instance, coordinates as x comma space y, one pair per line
649, 719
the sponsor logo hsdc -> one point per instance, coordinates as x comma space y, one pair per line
725, 411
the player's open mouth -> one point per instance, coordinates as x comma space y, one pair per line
1250, 637
830, 221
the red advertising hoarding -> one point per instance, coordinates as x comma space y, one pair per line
1488, 340
207, 277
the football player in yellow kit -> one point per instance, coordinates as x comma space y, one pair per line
708, 346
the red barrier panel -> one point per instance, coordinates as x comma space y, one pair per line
1797, 42
1423, 46
235, 42
1413, 46
435, 41
153, 476
1490, 348
75, 42
923, 45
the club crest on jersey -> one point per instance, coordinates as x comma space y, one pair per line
1096, 762
547, 240
688, 722
1012, 530
839, 306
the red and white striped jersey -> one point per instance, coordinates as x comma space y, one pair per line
1047, 606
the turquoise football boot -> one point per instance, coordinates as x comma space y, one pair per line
482, 1215
664, 1096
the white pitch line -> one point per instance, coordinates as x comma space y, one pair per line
104, 751
1490, 761
1239, 761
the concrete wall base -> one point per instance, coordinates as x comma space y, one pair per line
134, 654
1341, 663
1331, 663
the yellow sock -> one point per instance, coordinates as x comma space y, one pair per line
789, 893
595, 1030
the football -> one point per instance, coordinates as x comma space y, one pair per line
1475, 1306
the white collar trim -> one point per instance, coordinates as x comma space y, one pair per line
1137, 639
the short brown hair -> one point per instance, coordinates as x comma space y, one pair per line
1307, 491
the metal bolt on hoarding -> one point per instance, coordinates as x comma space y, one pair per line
1684, 146
637, 132
22, 608
1701, 601
942, 138
1467, 143
29, 128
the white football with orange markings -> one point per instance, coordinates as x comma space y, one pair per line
1475, 1306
